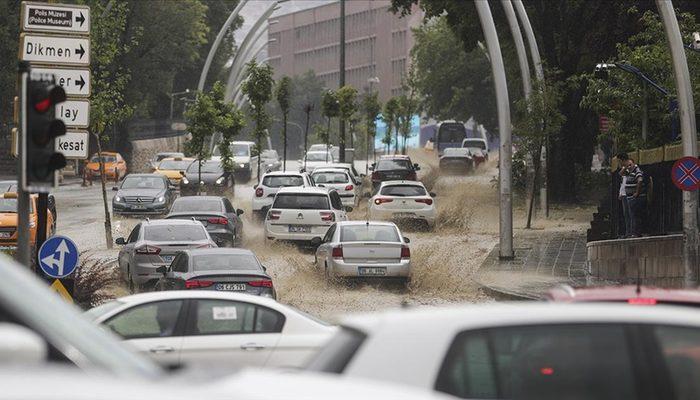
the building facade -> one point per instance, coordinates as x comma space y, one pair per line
377, 45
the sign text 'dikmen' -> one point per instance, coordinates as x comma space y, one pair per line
55, 50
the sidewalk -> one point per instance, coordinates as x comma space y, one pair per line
542, 260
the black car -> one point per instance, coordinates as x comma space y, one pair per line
211, 179
233, 270
217, 214
393, 168
11, 186
143, 194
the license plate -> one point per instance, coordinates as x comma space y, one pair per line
5, 235
299, 229
230, 286
392, 177
138, 207
404, 215
371, 271
167, 259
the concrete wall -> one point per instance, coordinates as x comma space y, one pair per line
656, 260
143, 150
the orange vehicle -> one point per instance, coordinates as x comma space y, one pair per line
173, 168
8, 220
115, 166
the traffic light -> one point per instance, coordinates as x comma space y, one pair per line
41, 159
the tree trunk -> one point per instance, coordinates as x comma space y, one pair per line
108, 222
306, 135
396, 145
534, 186
259, 145
199, 175
284, 139
368, 137
328, 138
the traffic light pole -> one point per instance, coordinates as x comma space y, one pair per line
22, 255
42, 206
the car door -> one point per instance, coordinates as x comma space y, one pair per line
324, 248
231, 214
126, 251
226, 334
337, 206
154, 329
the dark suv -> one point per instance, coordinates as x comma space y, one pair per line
393, 168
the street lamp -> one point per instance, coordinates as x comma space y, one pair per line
172, 100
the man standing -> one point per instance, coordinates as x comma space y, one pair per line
622, 194
636, 197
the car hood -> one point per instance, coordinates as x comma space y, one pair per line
141, 192
169, 173
206, 177
241, 159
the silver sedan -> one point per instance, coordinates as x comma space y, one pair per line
364, 249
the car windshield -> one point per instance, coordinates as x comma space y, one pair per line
299, 201
318, 147
8, 205
269, 154
369, 233
318, 156
180, 165
456, 152
389, 165
162, 156
474, 143
240, 150
208, 167
452, 132
330, 177
283, 181
105, 159
403, 190
102, 309
193, 203
175, 232
143, 182
218, 262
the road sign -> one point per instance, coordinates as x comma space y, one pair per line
54, 50
58, 287
685, 174
58, 256
74, 113
55, 18
76, 82
73, 145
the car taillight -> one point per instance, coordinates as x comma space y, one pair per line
349, 187
273, 215
405, 252
411, 176
375, 176
261, 283
327, 216
197, 284
638, 301
337, 252
148, 250
259, 192
217, 221
426, 201
381, 200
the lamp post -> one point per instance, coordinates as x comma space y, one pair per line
172, 101
250, 55
371, 81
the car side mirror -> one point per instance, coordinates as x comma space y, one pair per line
321, 185
315, 242
432, 194
416, 167
239, 212
348, 209
371, 167
406, 240
264, 268
255, 186
162, 270
120, 241
182, 173
114, 188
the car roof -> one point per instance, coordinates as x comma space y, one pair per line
340, 165
307, 190
199, 198
318, 151
219, 250
244, 142
283, 173
345, 223
171, 222
394, 157
623, 293
178, 159
194, 294
144, 175
106, 153
329, 169
404, 183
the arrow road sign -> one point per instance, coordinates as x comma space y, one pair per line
76, 82
73, 145
58, 256
54, 50
44, 17
74, 113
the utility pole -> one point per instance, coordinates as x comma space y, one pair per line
505, 158
22, 253
686, 109
341, 74
307, 109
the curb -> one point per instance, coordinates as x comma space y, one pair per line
505, 295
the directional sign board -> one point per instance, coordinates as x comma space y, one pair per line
74, 144
74, 113
685, 174
54, 50
76, 82
61, 18
58, 256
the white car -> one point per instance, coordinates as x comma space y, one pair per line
208, 329
339, 180
403, 200
356, 176
335, 150
271, 182
245, 159
364, 249
525, 351
314, 159
301, 214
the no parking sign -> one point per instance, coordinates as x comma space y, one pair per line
685, 174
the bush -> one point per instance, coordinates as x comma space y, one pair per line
92, 280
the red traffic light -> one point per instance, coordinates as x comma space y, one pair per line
45, 96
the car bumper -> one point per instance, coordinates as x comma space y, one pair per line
280, 232
348, 199
262, 202
342, 269
144, 273
223, 237
133, 209
407, 215
191, 190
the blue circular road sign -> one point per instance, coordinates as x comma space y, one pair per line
58, 256
685, 174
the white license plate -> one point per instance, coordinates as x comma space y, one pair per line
138, 207
299, 229
371, 271
230, 286
5, 235
167, 259
404, 215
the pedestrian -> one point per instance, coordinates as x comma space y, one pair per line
622, 194
636, 194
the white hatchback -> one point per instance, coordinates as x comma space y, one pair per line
403, 200
271, 183
315, 159
301, 214
339, 180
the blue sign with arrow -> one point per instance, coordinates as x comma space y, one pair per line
58, 256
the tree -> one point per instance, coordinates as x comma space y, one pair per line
330, 107
408, 107
258, 88
389, 116
202, 121
347, 107
283, 92
371, 107
229, 122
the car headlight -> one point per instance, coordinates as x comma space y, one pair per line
118, 199
270, 165
220, 181
244, 165
160, 199
185, 181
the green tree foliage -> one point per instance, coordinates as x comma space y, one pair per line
258, 88
408, 107
9, 43
347, 104
283, 93
230, 122
371, 107
390, 116
330, 108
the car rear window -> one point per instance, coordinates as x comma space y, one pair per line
330, 177
403, 190
219, 262
474, 143
8, 205
369, 233
283, 181
389, 165
171, 233
197, 204
319, 157
298, 201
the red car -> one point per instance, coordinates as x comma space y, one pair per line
637, 295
